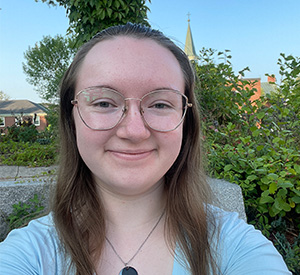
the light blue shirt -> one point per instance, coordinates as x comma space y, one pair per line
239, 250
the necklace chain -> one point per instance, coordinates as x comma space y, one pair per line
139, 249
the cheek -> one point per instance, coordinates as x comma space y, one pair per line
86, 138
172, 143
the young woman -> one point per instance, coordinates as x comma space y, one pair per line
131, 197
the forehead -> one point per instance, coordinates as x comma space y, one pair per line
127, 60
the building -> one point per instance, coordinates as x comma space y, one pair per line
189, 47
13, 110
262, 88
270, 86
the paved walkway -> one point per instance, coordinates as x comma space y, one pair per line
16, 173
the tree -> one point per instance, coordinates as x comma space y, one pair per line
4, 96
87, 17
219, 91
46, 63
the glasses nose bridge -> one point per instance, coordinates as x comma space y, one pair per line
128, 99
126, 107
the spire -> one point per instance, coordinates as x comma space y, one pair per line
189, 47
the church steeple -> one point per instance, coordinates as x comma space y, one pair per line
189, 47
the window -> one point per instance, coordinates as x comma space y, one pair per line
2, 121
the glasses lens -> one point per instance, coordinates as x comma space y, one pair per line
163, 110
100, 108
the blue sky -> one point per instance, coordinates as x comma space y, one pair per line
256, 32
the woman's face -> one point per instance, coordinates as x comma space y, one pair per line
130, 159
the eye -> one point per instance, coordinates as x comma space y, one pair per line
103, 104
160, 105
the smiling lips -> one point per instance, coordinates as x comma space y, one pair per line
131, 155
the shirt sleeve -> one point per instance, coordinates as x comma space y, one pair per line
243, 250
31, 250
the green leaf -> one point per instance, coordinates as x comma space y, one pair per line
227, 167
285, 206
292, 171
116, 4
272, 176
282, 193
283, 174
109, 12
276, 140
260, 147
296, 199
274, 210
266, 199
297, 168
285, 184
253, 128
102, 14
273, 187
286, 111
246, 139
252, 177
260, 115
277, 204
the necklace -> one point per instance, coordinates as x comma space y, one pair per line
129, 270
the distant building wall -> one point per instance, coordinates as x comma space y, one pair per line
257, 86
41, 122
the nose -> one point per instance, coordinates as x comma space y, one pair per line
132, 126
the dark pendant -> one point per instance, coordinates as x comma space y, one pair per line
128, 270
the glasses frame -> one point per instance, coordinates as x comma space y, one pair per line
75, 102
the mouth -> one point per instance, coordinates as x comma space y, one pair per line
131, 155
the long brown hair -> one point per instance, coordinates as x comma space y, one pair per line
78, 211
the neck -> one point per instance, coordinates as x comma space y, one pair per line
133, 211
135, 232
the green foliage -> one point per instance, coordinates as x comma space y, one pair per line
23, 130
23, 145
87, 17
27, 154
22, 133
254, 143
24, 212
216, 84
4, 96
288, 244
46, 63
51, 132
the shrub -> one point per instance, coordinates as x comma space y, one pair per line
255, 143
27, 154
22, 133
24, 213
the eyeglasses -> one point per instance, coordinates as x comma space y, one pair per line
102, 108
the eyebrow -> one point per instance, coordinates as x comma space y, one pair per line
117, 90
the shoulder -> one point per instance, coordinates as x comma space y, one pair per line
34, 249
241, 249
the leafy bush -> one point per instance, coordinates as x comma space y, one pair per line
282, 241
23, 145
51, 131
22, 133
255, 143
27, 154
24, 212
